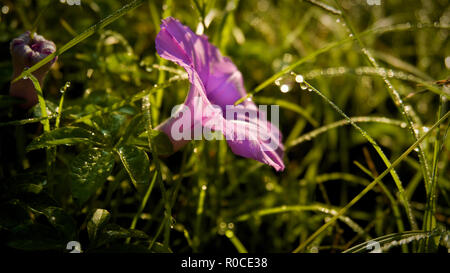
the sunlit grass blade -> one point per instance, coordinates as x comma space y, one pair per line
316, 132
388, 241
288, 105
235, 241
298, 208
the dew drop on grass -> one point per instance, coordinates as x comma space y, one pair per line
390, 73
299, 78
285, 88
303, 86
278, 82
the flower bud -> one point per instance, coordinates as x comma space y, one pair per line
26, 51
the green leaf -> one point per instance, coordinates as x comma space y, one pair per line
97, 222
136, 163
132, 127
65, 136
89, 171
61, 221
111, 124
160, 140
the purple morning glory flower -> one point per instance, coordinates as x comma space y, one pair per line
216, 84
26, 51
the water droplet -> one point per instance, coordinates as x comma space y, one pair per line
350, 35
204, 187
285, 88
390, 73
303, 86
299, 78
447, 62
5, 9
278, 82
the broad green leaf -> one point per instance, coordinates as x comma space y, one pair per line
61, 221
65, 136
110, 124
98, 220
132, 127
160, 140
89, 171
136, 163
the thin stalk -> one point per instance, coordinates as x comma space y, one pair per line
146, 106
142, 206
61, 102
314, 133
429, 221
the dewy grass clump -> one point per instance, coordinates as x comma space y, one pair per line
144, 137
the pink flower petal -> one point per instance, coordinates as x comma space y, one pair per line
215, 80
